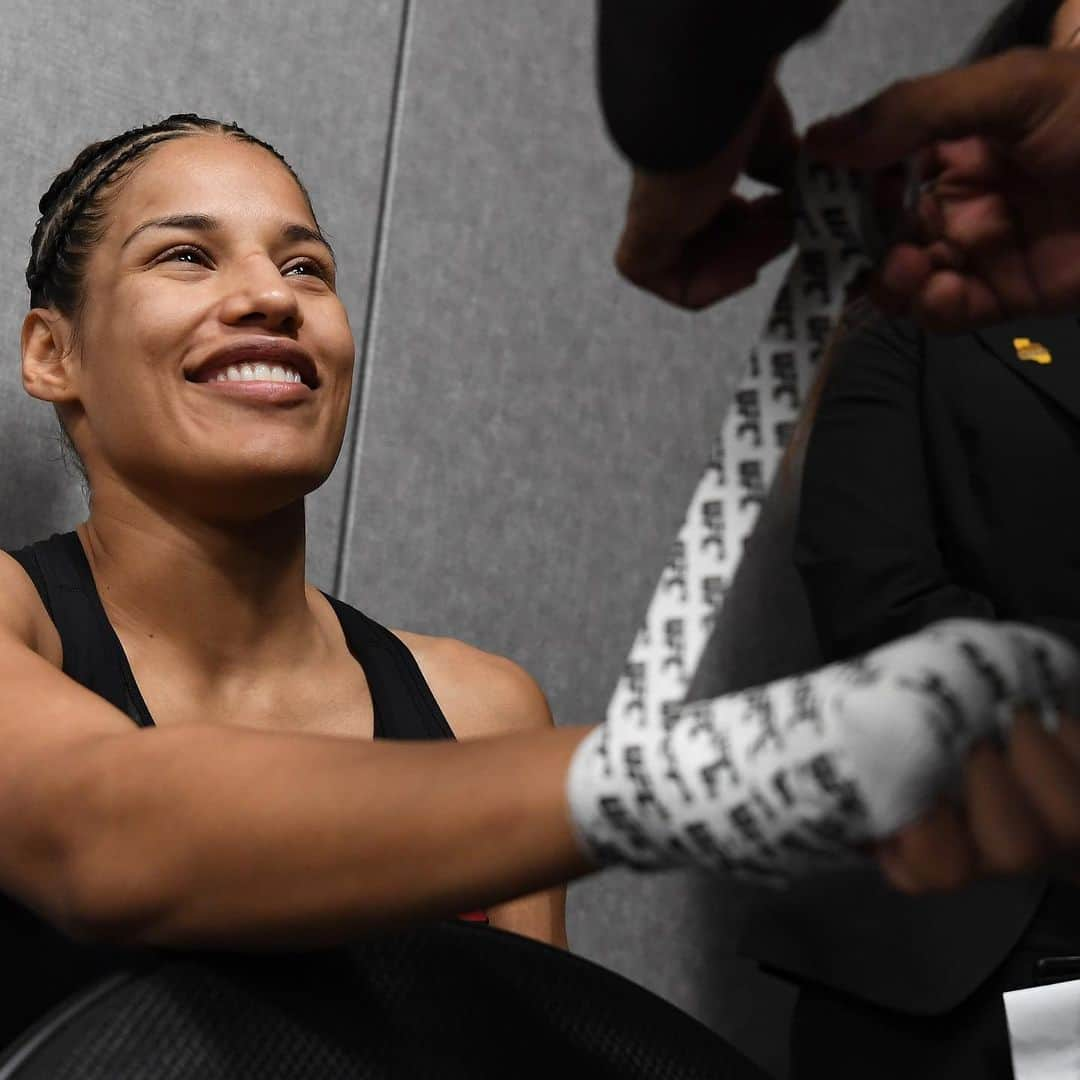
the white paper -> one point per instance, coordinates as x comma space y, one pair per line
1044, 1031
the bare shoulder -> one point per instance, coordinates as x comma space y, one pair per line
23, 615
479, 692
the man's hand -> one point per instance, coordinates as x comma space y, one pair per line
997, 230
688, 239
1020, 811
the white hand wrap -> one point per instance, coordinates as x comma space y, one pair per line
786, 779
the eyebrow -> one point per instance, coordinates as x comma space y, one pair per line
204, 223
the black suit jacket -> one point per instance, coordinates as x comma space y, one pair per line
940, 480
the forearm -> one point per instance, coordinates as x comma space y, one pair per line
213, 836
799, 775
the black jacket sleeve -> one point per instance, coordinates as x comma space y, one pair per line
678, 77
866, 543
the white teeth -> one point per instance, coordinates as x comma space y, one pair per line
258, 373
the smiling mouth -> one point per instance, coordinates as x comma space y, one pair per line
244, 371
255, 389
257, 361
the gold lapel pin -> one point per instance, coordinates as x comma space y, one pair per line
1026, 349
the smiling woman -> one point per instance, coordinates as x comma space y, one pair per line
229, 264
186, 328
202, 750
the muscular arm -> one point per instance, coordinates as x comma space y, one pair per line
207, 835
484, 695
678, 78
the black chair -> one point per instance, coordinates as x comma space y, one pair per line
449, 1001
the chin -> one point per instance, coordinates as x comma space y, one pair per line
240, 491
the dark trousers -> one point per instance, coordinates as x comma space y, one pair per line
836, 1035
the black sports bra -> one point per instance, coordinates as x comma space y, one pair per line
40, 964
404, 706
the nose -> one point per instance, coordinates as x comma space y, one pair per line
258, 295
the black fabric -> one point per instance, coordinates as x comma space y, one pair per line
939, 481
50, 966
678, 78
839, 1036
93, 656
446, 1002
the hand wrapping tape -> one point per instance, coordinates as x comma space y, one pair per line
790, 778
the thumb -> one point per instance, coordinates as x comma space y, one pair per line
1004, 97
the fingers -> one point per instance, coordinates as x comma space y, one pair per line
933, 854
1003, 97
963, 258
922, 284
951, 302
1020, 812
988, 239
1005, 826
727, 256
1048, 773
719, 260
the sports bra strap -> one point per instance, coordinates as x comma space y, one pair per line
93, 655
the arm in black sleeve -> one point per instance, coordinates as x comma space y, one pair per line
866, 543
679, 77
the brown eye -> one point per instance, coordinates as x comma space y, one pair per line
182, 254
312, 268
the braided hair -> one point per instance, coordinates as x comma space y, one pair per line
74, 217
73, 210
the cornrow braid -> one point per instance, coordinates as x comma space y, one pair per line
73, 209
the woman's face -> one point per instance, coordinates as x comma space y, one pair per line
162, 298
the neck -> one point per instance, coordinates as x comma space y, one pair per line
227, 597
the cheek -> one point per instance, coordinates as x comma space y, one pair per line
154, 327
330, 336
135, 356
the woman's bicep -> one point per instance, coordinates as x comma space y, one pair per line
48, 724
484, 695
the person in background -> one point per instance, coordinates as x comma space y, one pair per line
200, 749
689, 96
996, 235
936, 485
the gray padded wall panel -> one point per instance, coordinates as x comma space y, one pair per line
534, 428
313, 79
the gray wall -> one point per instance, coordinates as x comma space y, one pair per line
527, 430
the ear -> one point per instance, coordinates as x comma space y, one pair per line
48, 371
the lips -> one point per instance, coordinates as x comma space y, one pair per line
268, 351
